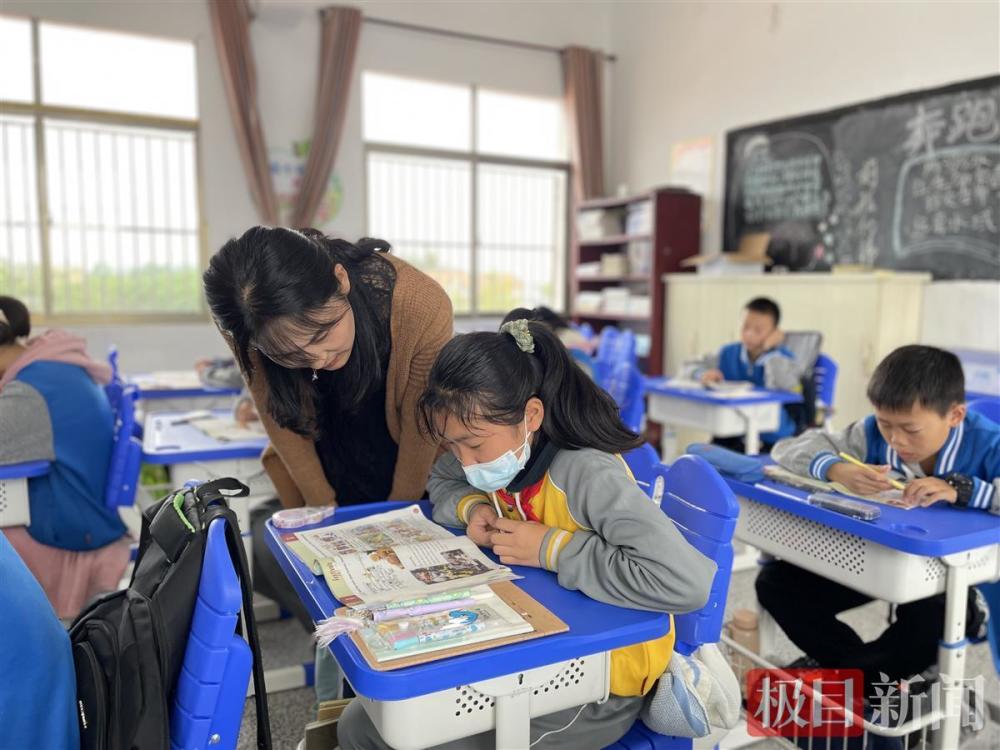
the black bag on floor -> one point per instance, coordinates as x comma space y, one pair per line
128, 646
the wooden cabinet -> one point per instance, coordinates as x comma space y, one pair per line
670, 232
862, 317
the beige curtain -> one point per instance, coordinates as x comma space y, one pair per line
231, 27
582, 92
338, 49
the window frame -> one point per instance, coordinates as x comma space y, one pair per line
39, 113
475, 158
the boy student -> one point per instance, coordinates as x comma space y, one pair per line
760, 358
921, 434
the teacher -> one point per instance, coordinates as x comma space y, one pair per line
335, 341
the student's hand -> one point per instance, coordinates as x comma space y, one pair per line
712, 376
927, 491
865, 480
774, 338
481, 525
202, 364
246, 413
518, 542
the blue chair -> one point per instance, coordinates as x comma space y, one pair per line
212, 685
825, 375
625, 384
989, 407
614, 346
643, 462
587, 330
117, 385
126, 454
702, 506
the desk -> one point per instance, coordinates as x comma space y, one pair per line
14, 507
175, 385
191, 454
723, 415
500, 688
903, 556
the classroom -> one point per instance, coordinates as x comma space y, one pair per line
514, 374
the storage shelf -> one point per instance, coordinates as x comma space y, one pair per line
617, 239
607, 279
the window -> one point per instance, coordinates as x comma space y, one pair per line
100, 137
470, 185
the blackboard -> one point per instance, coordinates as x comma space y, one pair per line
911, 182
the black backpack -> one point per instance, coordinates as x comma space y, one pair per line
128, 646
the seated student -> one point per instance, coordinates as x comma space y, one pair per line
38, 689
52, 407
534, 472
921, 433
760, 358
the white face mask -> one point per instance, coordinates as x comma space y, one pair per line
494, 475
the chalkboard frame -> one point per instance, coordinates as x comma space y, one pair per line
730, 241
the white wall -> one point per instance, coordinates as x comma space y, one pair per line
286, 41
692, 69
964, 314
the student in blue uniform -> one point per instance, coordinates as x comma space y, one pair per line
38, 687
760, 358
921, 434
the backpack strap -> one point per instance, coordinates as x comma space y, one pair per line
238, 554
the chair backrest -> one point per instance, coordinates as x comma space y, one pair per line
704, 508
625, 385
805, 346
114, 388
988, 406
126, 454
586, 330
826, 380
606, 340
212, 685
642, 462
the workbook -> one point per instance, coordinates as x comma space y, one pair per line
778, 474
393, 556
476, 618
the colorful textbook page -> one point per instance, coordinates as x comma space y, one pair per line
394, 556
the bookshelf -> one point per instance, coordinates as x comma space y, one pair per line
645, 237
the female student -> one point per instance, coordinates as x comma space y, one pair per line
52, 407
335, 341
534, 472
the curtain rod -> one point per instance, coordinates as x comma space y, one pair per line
470, 37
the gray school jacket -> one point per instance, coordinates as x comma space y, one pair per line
607, 538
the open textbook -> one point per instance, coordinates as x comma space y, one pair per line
778, 474
393, 556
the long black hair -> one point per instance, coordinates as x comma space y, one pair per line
273, 283
487, 376
18, 323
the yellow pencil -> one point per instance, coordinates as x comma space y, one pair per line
858, 462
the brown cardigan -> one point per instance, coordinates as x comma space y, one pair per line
420, 325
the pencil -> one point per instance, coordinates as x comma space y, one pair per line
858, 462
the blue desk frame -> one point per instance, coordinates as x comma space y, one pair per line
185, 443
594, 627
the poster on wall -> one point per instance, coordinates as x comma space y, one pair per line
288, 164
691, 167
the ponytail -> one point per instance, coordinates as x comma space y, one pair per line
491, 376
15, 321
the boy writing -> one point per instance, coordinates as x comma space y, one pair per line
922, 434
